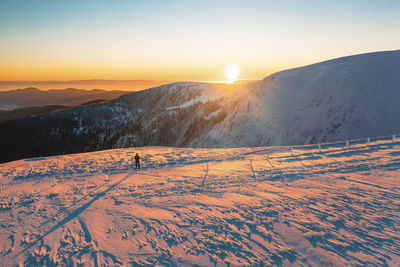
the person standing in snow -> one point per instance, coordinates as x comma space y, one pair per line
137, 160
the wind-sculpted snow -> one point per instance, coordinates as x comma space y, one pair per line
292, 206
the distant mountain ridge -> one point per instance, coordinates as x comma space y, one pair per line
34, 97
126, 85
344, 98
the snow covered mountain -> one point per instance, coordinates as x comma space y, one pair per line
349, 97
344, 98
265, 206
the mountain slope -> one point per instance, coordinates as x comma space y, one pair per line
344, 98
33, 97
6, 115
268, 206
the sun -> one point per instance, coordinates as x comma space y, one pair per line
231, 73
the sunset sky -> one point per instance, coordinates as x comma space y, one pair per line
185, 40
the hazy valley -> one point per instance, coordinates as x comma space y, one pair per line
345, 98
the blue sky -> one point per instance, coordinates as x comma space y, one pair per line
191, 40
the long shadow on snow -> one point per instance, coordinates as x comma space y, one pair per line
73, 203
79, 210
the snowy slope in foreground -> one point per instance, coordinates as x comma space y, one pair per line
249, 206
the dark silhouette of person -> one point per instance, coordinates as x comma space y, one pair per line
137, 160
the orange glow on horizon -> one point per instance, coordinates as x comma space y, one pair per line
41, 71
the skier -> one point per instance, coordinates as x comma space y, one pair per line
137, 158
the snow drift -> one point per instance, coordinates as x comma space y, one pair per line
265, 206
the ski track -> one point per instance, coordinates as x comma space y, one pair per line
290, 206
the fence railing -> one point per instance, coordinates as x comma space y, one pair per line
347, 143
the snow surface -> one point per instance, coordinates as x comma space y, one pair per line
345, 98
293, 206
